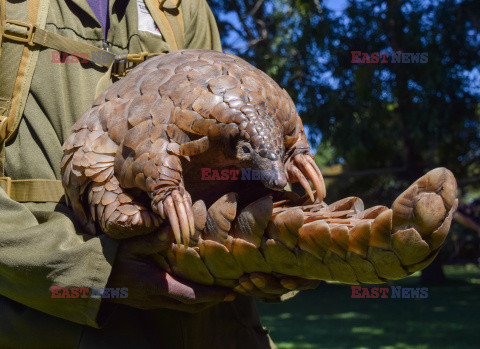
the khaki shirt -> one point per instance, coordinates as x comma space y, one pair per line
39, 243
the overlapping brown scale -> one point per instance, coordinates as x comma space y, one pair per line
178, 93
111, 93
151, 170
315, 238
237, 71
249, 258
99, 100
222, 83
184, 119
381, 230
117, 125
219, 261
195, 147
409, 246
158, 147
172, 61
179, 256
386, 263
219, 218
436, 239
403, 206
103, 175
139, 110
128, 88
201, 75
339, 242
191, 65
93, 122
279, 257
171, 84
103, 144
174, 174
224, 114
364, 270
125, 174
205, 103
285, 227
252, 221
187, 99
177, 135
429, 212
76, 140
340, 269
249, 83
359, 237
150, 84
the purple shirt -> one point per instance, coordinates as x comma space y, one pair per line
100, 8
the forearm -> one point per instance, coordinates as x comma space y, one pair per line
40, 248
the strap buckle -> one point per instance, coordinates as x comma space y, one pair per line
6, 184
121, 67
26, 37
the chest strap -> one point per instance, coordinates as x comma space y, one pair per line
28, 190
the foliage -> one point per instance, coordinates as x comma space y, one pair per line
403, 119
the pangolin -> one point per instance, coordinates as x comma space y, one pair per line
151, 132
137, 156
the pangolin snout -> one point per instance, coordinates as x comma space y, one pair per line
275, 178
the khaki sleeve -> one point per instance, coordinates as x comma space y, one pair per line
201, 30
40, 248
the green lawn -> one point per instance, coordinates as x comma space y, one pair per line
329, 318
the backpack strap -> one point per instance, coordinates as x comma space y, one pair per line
18, 58
18, 64
167, 15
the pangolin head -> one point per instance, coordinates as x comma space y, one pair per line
261, 148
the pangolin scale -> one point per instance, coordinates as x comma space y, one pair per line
135, 158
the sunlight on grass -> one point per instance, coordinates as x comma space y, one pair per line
328, 318
295, 345
369, 330
349, 315
404, 346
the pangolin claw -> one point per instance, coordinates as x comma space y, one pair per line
178, 209
303, 166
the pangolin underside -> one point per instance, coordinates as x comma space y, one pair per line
136, 158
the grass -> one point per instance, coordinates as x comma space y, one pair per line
329, 318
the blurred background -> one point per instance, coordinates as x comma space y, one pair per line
376, 127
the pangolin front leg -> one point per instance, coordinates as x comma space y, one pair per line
117, 211
155, 167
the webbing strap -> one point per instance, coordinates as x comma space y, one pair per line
33, 34
28, 190
174, 35
18, 64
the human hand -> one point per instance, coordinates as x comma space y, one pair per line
149, 287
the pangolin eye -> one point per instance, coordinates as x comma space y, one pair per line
245, 149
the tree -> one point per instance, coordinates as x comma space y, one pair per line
399, 119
